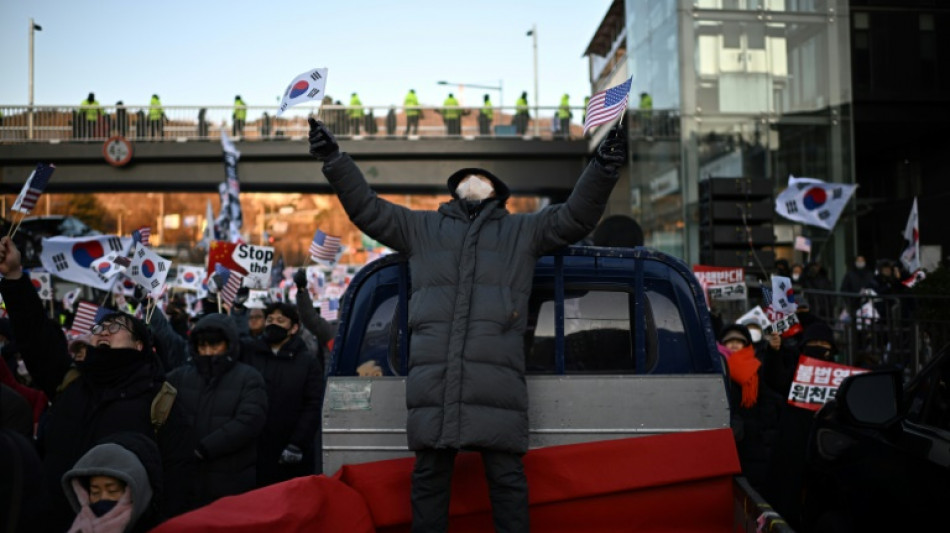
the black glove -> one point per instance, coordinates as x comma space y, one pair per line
323, 145
612, 152
300, 279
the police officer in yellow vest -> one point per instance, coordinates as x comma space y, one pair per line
485, 117
239, 116
646, 114
156, 117
564, 117
521, 114
452, 115
355, 114
89, 111
412, 115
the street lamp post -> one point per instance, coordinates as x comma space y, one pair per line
533, 33
476, 86
34, 27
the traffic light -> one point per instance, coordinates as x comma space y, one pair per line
736, 223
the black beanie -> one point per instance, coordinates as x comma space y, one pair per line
818, 331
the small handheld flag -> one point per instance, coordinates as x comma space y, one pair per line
33, 188
306, 87
231, 282
324, 247
142, 235
607, 105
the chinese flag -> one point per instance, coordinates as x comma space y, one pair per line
220, 254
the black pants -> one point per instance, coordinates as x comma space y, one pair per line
453, 126
412, 124
432, 482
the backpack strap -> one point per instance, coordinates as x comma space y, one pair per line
162, 405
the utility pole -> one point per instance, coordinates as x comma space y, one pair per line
533, 33
33, 28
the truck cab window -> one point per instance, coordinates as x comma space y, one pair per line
597, 330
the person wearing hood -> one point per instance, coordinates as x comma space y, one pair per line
784, 490
294, 378
472, 264
111, 389
755, 399
225, 402
116, 486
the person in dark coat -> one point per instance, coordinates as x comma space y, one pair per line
754, 380
110, 390
294, 381
117, 486
471, 265
784, 487
857, 278
225, 404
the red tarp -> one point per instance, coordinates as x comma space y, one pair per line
675, 482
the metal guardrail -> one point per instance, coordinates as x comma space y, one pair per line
51, 124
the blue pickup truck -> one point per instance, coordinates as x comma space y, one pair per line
620, 351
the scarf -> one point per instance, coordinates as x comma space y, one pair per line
115, 521
744, 370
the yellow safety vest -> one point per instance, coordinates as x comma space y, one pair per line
487, 110
357, 111
91, 109
155, 110
411, 100
240, 110
451, 113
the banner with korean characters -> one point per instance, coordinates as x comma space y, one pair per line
722, 283
817, 381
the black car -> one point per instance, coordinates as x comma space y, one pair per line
32, 230
879, 454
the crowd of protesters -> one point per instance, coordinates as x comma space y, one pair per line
133, 423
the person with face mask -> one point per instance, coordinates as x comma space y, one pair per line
116, 486
227, 402
754, 398
111, 389
472, 264
294, 377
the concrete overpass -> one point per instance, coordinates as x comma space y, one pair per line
529, 166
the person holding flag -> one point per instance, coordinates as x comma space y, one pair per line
111, 389
472, 264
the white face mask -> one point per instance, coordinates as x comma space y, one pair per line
859, 265
756, 334
473, 188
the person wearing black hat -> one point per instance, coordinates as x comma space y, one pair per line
472, 264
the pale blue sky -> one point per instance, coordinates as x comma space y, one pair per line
203, 53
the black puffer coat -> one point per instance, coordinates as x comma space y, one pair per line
294, 381
471, 280
224, 412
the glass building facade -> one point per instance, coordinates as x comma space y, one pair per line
739, 88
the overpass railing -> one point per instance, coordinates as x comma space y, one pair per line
44, 124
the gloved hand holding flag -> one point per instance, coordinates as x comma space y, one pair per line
305, 88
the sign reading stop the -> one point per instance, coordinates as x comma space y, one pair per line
117, 150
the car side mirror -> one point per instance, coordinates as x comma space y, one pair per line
872, 399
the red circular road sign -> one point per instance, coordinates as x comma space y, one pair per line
117, 150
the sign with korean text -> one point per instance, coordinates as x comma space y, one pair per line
817, 381
722, 283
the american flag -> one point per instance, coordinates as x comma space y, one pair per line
231, 282
324, 247
330, 309
607, 105
33, 188
87, 315
142, 235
